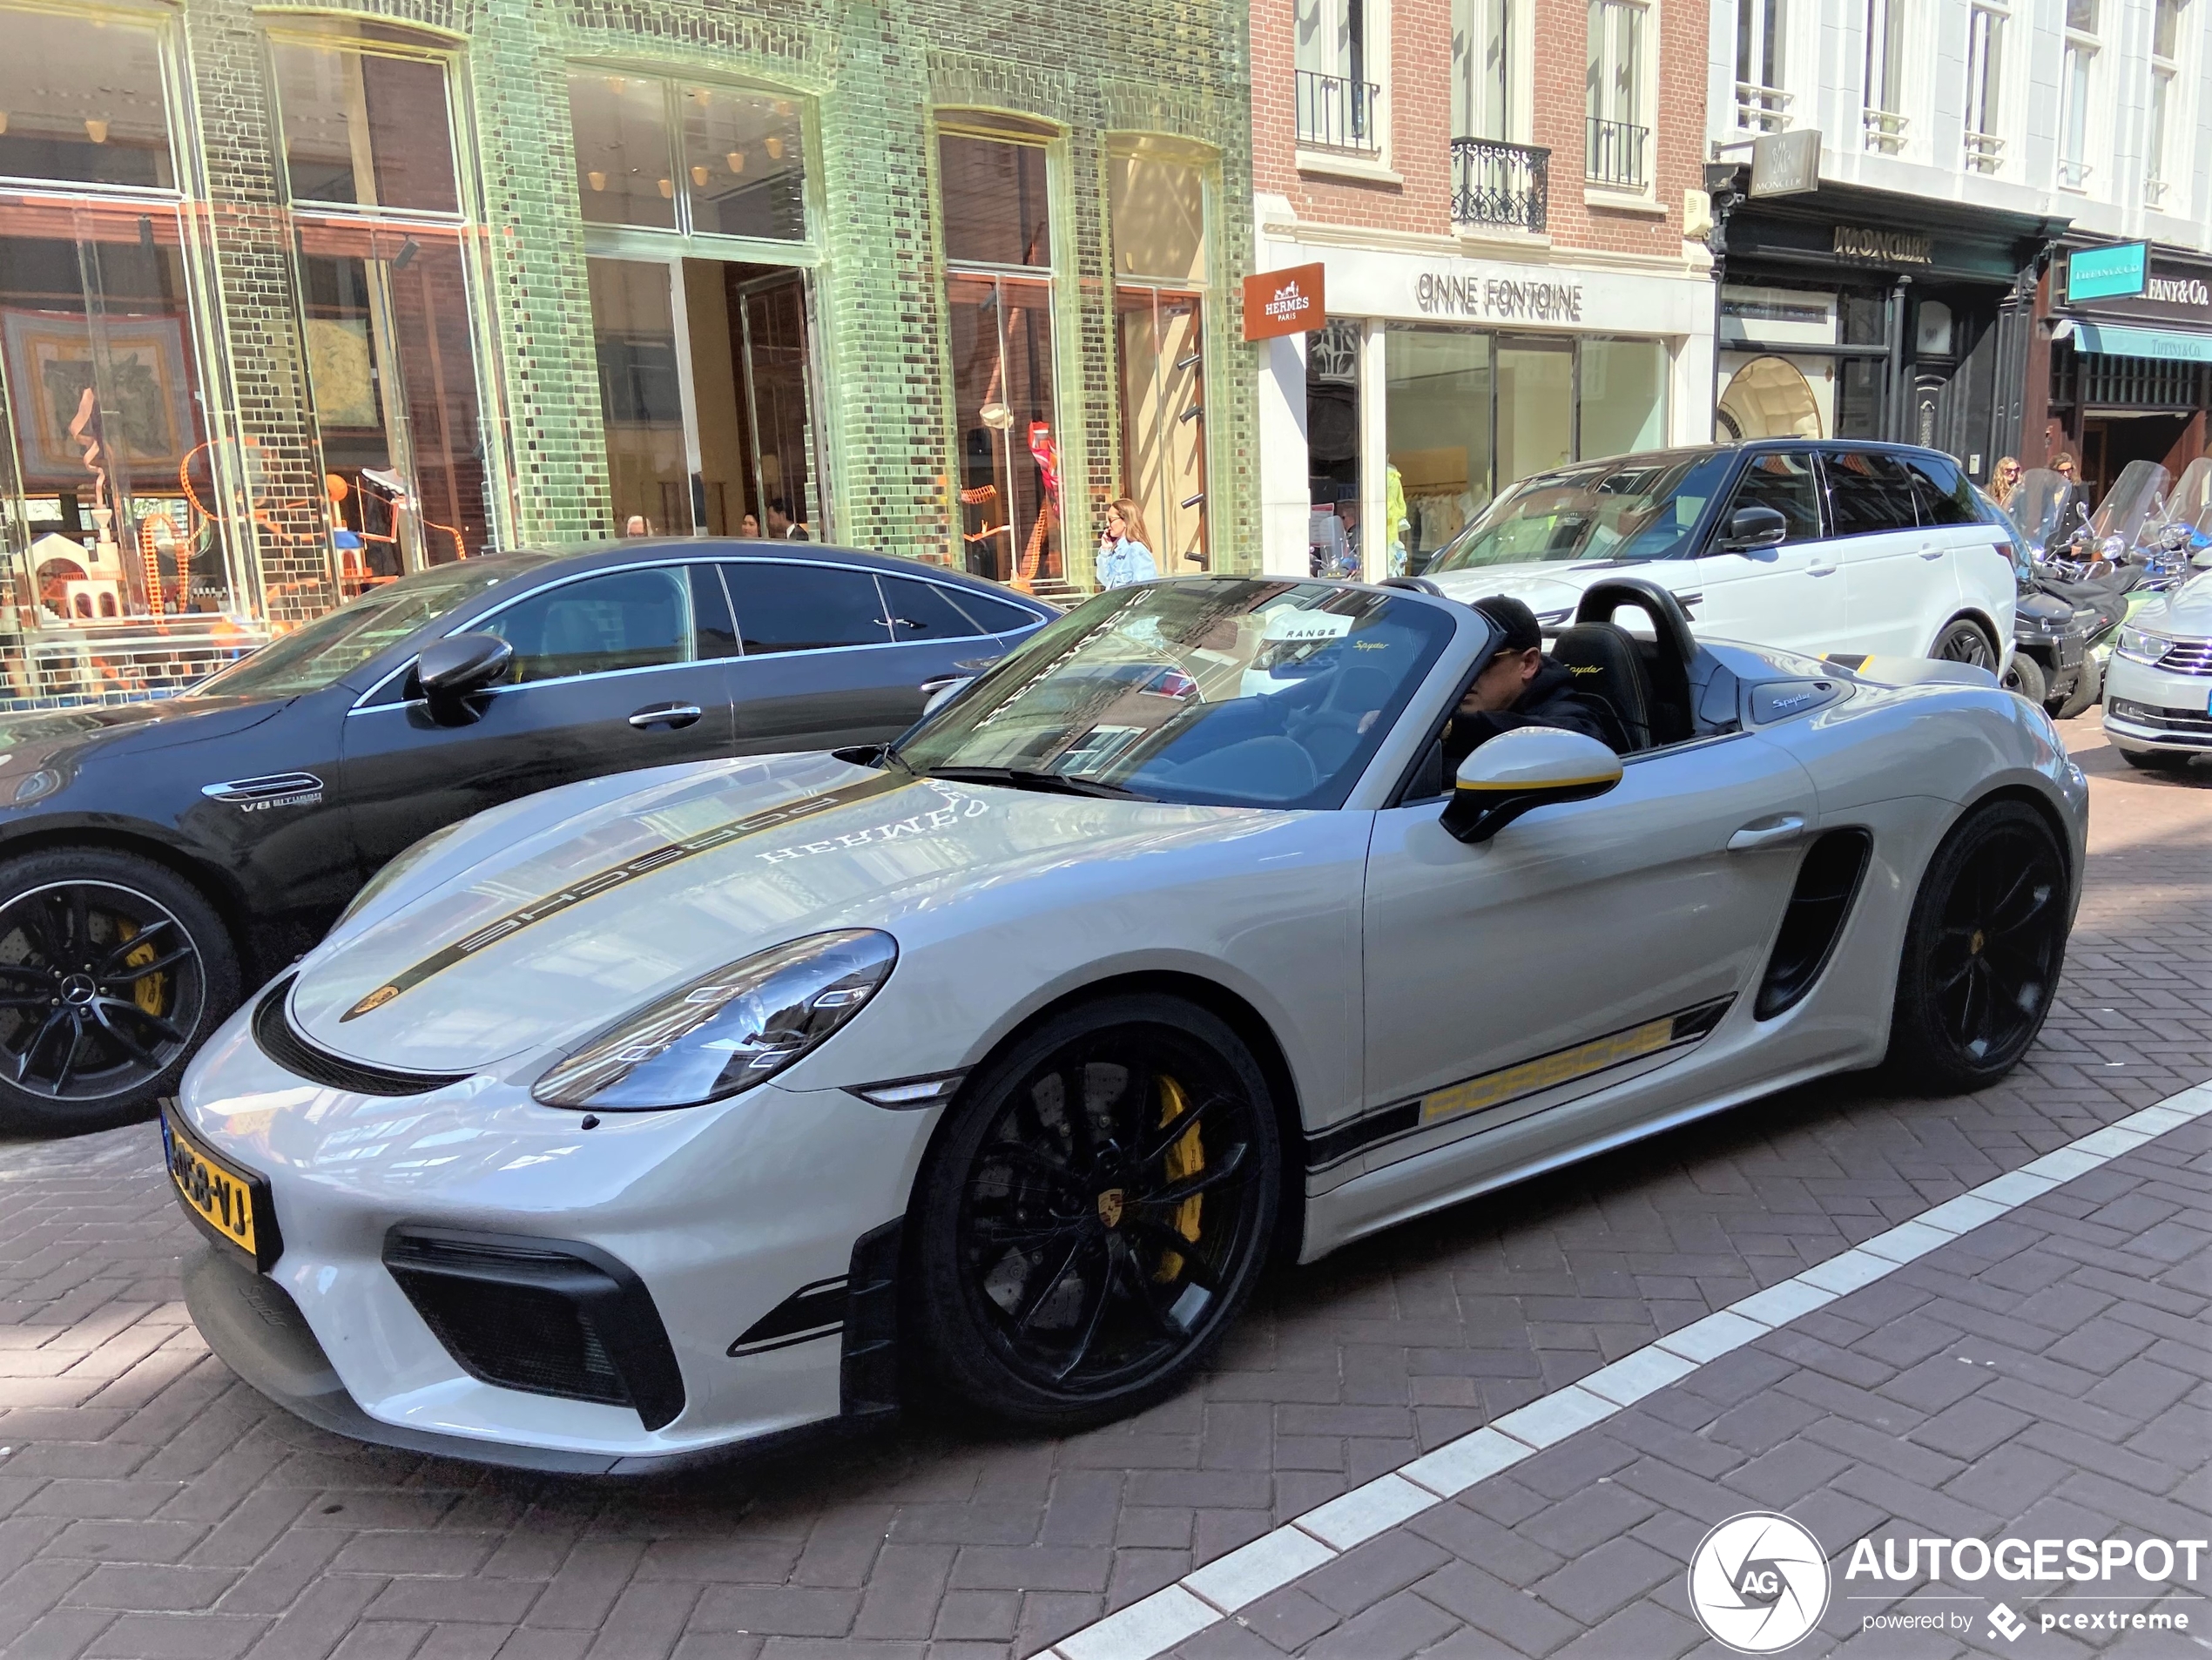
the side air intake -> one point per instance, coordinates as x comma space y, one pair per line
1827, 883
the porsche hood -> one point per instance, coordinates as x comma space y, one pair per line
536, 925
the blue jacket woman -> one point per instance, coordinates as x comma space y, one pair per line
1122, 556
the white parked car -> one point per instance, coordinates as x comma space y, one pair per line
2158, 686
1827, 549
665, 1111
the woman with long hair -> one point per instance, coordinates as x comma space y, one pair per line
1122, 556
2005, 481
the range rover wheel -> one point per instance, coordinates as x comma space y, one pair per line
1982, 952
113, 970
1094, 1213
1963, 642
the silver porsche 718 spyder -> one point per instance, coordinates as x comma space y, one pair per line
672, 1110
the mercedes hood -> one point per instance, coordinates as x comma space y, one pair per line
538, 923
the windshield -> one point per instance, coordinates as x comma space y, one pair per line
322, 652
2191, 503
1617, 509
1238, 693
2137, 498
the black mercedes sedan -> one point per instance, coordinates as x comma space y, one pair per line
157, 859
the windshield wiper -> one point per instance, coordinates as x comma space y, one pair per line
1023, 777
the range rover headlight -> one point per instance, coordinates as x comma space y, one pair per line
727, 1030
2143, 646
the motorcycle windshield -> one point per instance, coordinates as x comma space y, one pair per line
2038, 505
2191, 502
2137, 499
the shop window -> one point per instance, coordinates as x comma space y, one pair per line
1767, 397
743, 163
995, 208
1157, 203
81, 101
1620, 396
676, 156
1333, 352
365, 128
1535, 407
385, 294
1483, 46
1618, 133
1437, 418
121, 496
641, 401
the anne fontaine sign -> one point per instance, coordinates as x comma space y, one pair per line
1504, 299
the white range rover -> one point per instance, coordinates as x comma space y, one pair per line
1830, 549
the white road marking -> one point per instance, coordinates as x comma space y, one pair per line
1207, 1596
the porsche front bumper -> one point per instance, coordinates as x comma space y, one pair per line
469, 1273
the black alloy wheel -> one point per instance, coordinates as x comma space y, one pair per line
1095, 1212
1963, 642
112, 971
1983, 951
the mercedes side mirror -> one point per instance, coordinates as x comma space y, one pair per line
451, 669
942, 690
1519, 770
1753, 528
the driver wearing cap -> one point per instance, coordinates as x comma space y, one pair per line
1520, 686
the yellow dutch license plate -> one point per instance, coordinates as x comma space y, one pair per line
216, 1193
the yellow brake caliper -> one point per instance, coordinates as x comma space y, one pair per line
151, 993
1185, 1158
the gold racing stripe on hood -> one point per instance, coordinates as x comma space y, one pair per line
613, 876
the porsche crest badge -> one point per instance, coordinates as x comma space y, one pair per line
1110, 1207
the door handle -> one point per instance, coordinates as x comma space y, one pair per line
1819, 568
1932, 553
666, 714
1770, 831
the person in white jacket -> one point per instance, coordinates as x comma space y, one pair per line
1122, 556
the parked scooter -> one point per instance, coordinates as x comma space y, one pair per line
2056, 616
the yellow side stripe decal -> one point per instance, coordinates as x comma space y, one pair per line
1547, 1071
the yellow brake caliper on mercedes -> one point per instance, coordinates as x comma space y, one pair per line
1185, 1158
151, 993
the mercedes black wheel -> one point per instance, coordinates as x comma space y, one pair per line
1963, 642
1982, 951
113, 970
2027, 677
1094, 1213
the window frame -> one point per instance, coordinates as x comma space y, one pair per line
1638, 20
2169, 111
446, 58
1366, 65
2078, 96
176, 88
1987, 23
1886, 83
1762, 43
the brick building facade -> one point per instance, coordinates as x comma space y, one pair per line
297, 302
1506, 199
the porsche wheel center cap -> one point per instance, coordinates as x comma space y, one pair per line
1975, 944
1110, 1207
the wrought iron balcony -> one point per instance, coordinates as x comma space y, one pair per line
1337, 113
1495, 183
1616, 154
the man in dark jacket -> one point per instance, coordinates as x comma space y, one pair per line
1520, 686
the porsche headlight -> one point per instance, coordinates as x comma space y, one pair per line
401, 862
2143, 646
727, 1030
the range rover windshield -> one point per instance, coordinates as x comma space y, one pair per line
1236, 692
1631, 508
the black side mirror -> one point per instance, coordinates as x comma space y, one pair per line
1755, 527
451, 669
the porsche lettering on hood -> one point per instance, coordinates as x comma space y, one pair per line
585, 904
614, 877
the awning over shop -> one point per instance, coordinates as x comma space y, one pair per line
2173, 345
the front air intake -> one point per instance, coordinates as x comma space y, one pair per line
1827, 883
548, 1317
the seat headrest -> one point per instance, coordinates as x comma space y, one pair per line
1609, 668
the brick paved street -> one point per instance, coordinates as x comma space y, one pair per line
2046, 1374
